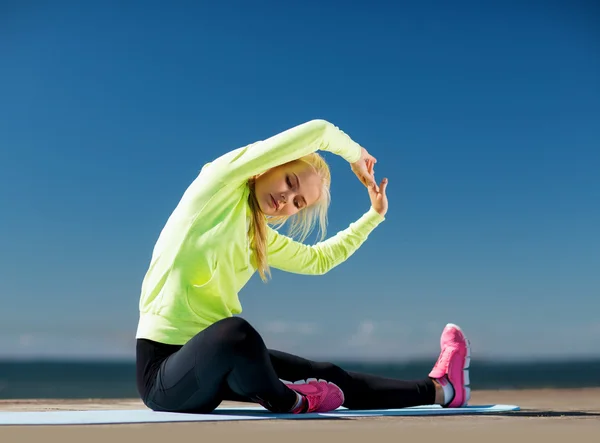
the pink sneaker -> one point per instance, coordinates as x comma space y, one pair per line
319, 395
453, 365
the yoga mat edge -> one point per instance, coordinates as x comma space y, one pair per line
126, 416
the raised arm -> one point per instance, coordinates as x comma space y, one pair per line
289, 145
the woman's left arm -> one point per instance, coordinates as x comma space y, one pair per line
289, 255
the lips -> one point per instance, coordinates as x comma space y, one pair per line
273, 202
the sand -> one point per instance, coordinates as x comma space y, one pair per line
552, 415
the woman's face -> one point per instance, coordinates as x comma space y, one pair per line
287, 189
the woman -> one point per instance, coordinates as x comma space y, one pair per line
193, 352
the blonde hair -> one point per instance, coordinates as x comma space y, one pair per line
301, 224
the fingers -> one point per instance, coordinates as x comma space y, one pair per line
378, 192
383, 186
367, 156
365, 170
373, 184
370, 157
368, 177
371, 168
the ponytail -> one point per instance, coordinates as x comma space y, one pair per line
258, 235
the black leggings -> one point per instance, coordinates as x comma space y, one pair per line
229, 361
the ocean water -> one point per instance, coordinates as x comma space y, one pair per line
77, 380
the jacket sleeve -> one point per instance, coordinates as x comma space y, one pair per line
289, 255
243, 163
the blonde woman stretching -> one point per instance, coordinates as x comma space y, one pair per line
193, 352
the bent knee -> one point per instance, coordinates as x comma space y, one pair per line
236, 332
235, 325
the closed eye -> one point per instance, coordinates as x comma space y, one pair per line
289, 183
298, 186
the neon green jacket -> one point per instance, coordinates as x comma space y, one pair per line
201, 259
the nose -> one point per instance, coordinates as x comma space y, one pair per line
285, 196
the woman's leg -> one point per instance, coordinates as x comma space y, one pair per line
229, 357
361, 391
229, 361
365, 391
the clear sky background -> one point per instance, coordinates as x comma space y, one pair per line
485, 117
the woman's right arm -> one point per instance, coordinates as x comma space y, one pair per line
289, 145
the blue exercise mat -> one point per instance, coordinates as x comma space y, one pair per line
121, 416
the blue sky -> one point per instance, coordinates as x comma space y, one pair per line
485, 119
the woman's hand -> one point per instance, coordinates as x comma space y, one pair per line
379, 200
364, 169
